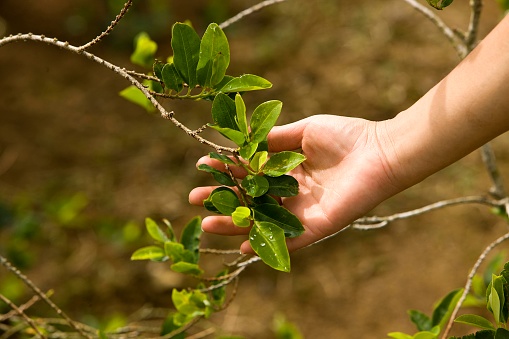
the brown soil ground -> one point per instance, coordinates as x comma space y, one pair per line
64, 130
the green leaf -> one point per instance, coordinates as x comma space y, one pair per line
399, 335
207, 203
255, 185
241, 119
283, 162
190, 237
169, 325
258, 160
496, 298
444, 309
232, 134
281, 217
171, 78
154, 253
246, 82
157, 68
421, 320
186, 52
268, 241
220, 177
223, 158
155, 232
187, 268
144, 50
241, 216
475, 320
265, 199
134, 95
219, 293
191, 303
177, 253
225, 202
502, 333
264, 118
171, 232
283, 186
247, 150
224, 112
439, 4
214, 56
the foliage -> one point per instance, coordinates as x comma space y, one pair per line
197, 70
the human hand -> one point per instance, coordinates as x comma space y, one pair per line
346, 174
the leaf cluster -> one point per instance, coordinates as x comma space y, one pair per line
196, 63
492, 293
251, 202
197, 70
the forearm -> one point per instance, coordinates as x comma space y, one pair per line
465, 110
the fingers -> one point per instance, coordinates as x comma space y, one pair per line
287, 137
222, 225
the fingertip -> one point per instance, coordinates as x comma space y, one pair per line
245, 248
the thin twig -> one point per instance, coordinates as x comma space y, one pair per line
110, 28
457, 43
41, 295
248, 11
489, 160
468, 284
120, 71
23, 308
473, 25
19, 311
367, 223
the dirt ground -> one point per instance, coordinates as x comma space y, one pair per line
65, 131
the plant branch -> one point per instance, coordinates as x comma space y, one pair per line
449, 33
41, 295
248, 11
488, 157
468, 284
110, 28
120, 71
23, 315
473, 25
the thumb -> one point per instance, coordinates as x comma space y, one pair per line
287, 137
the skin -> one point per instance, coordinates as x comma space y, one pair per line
354, 164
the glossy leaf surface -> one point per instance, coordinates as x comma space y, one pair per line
255, 185
220, 177
245, 83
241, 119
214, 56
279, 216
264, 118
241, 216
268, 241
186, 50
224, 112
155, 232
190, 237
283, 186
282, 163
154, 253
225, 201
171, 78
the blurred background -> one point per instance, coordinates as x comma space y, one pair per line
80, 168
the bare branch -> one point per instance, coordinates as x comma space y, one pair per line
449, 33
468, 284
23, 307
488, 157
19, 311
248, 11
110, 28
374, 222
41, 295
122, 72
473, 25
